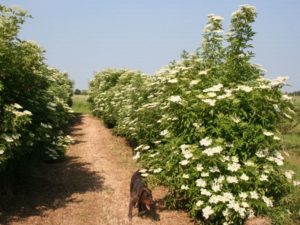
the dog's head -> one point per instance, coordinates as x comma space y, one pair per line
146, 198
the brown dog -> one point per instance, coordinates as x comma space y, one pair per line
140, 195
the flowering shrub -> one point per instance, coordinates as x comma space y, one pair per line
206, 125
34, 98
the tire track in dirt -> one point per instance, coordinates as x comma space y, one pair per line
99, 195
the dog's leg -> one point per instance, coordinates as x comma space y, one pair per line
142, 209
130, 209
154, 213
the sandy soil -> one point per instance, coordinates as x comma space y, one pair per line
90, 187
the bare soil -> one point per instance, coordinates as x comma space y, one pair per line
90, 186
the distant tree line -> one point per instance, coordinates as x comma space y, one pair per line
80, 92
295, 93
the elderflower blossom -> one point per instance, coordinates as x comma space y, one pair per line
158, 170
235, 159
205, 192
146, 147
164, 133
154, 154
249, 163
234, 167
289, 174
214, 88
287, 116
296, 183
210, 102
186, 153
268, 201
279, 81
199, 203
207, 211
136, 156
184, 162
194, 82
232, 180
276, 138
200, 182
225, 158
278, 161
173, 81
263, 177
143, 170
145, 174
204, 174
185, 176
17, 106
8, 138
220, 179
268, 133
215, 17
213, 150
244, 177
233, 205
214, 169
206, 141
228, 196
211, 94
244, 88
199, 167
203, 72
235, 119
228, 94
216, 187
214, 199
243, 195
184, 187
175, 99
253, 195
261, 153
184, 147
286, 97
139, 147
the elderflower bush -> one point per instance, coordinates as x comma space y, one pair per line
206, 126
35, 99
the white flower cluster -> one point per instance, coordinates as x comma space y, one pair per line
213, 150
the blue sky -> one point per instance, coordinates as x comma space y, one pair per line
81, 37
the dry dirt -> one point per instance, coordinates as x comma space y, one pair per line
89, 187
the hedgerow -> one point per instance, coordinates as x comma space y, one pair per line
34, 97
206, 126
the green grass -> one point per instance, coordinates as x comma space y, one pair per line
80, 104
291, 141
297, 100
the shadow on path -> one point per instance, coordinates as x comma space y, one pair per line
49, 186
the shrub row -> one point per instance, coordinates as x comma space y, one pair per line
34, 98
206, 126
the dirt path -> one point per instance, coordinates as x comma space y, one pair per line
90, 187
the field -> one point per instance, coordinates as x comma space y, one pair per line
292, 144
80, 104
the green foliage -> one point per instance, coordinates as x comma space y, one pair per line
34, 98
206, 126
